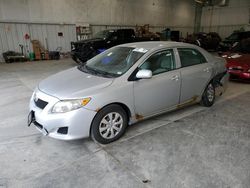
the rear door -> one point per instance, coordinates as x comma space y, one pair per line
162, 91
195, 72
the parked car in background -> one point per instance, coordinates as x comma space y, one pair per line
238, 60
209, 41
124, 85
11, 56
235, 37
81, 51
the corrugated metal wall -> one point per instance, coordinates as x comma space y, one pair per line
12, 35
183, 30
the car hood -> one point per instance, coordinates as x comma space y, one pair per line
237, 59
73, 83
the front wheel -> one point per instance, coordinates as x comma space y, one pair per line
208, 96
109, 124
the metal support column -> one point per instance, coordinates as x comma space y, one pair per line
197, 18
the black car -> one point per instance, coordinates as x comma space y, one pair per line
81, 51
209, 41
235, 37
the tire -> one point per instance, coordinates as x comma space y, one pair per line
208, 96
105, 131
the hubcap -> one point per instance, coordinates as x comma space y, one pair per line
210, 93
110, 125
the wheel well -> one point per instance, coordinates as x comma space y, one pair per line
124, 107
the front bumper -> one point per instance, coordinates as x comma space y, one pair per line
76, 122
237, 74
221, 83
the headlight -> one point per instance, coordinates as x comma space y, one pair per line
33, 96
69, 105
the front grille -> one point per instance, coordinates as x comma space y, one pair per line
236, 68
63, 130
41, 104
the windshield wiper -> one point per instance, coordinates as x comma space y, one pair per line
107, 74
82, 68
99, 72
93, 71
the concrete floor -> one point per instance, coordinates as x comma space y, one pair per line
192, 147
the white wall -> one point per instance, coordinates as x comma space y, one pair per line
12, 34
118, 12
43, 19
225, 20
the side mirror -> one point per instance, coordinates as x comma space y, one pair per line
144, 74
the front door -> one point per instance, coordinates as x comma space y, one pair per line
160, 92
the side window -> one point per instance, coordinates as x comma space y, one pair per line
120, 34
190, 57
160, 62
128, 34
114, 35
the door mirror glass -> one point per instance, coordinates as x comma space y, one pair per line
144, 74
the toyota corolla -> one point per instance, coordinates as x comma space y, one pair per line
124, 85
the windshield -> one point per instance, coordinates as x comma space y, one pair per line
114, 62
233, 36
103, 34
242, 47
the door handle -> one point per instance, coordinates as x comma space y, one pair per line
176, 78
206, 70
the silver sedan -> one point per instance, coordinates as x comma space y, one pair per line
124, 85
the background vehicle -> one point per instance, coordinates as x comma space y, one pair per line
228, 43
11, 56
238, 60
209, 41
82, 51
123, 85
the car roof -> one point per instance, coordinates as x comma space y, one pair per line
240, 32
158, 44
126, 29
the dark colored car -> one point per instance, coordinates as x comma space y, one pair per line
11, 56
238, 61
81, 51
209, 41
228, 43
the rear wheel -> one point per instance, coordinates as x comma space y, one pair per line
208, 96
109, 124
